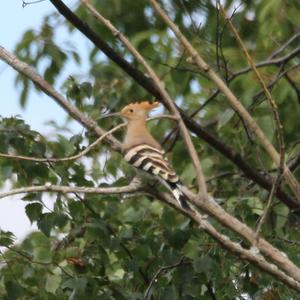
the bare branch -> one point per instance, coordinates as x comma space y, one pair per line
133, 187
285, 45
271, 62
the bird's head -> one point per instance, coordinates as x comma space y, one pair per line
138, 110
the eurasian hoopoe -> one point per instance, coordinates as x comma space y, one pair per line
142, 151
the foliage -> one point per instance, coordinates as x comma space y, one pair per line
114, 245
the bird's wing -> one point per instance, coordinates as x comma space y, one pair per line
151, 160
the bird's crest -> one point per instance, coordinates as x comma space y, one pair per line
147, 105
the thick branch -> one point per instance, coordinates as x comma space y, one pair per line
137, 75
264, 247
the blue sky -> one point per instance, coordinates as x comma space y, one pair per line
14, 21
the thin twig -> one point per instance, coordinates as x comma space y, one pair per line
29, 258
268, 205
270, 62
158, 273
284, 46
282, 73
25, 3
293, 242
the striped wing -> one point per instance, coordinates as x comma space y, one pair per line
151, 160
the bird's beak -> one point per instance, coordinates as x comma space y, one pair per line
117, 114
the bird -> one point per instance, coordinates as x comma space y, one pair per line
141, 149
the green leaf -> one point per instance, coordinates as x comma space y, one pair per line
169, 293
33, 211
256, 205
38, 149
6, 238
191, 249
46, 222
282, 213
32, 197
24, 94
78, 285
203, 265
86, 88
52, 283
42, 254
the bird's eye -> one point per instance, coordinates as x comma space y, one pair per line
131, 110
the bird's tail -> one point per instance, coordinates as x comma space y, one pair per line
178, 194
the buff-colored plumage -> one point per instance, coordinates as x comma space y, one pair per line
137, 132
144, 152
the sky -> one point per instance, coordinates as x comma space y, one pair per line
14, 21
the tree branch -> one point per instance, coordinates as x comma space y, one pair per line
133, 187
285, 45
268, 205
270, 62
241, 163
264, 247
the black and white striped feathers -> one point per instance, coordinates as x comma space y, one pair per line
153, 161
